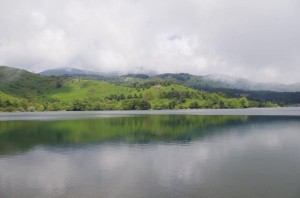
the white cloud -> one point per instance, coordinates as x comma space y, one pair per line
200, 37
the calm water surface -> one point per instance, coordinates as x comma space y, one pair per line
145, 155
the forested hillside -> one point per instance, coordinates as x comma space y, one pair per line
23, 84
24, 91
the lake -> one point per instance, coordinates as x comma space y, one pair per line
185, 153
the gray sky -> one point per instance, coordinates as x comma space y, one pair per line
257, 39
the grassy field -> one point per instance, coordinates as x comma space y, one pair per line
4, 97
84, 89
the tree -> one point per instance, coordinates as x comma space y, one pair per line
144, 105
58, 84
172, 104
148, 95
244, 102
194, 105
80, 105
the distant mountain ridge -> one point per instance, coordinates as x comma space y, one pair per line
66, 71
74, 71
206, 82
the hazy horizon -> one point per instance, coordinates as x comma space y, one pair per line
222, 77
257, 40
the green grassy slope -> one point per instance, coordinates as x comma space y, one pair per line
24, 84
4, 96
84, 89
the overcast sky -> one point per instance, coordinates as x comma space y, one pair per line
257, 39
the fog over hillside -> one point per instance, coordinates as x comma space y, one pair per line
214, 81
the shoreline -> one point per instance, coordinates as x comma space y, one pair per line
69, 115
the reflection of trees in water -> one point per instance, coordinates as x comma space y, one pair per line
22, 135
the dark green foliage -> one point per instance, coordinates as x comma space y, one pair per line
80, 105
194, 105
182, 77
58, 84
144, 105
150, 83
281, 98
135, 104
172, 104
174, 94
118, 97
23, 84
141, 76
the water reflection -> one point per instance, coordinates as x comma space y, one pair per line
18, 136
153, 156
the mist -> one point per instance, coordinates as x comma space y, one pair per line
257, 40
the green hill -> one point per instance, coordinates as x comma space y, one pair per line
21, 90
23, 84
